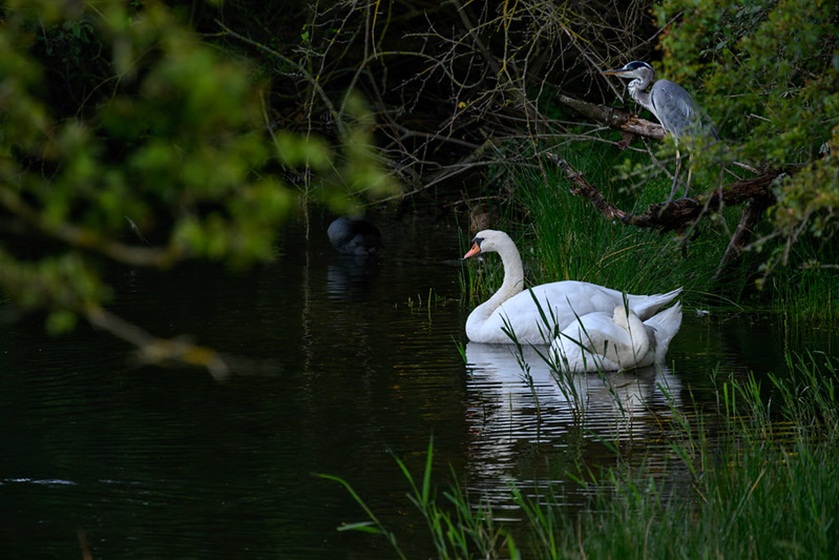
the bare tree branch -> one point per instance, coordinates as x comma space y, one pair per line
166, 351
77, 236
742, 235
615, 118
679, 214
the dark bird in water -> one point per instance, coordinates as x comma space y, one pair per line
354, 236
671, 104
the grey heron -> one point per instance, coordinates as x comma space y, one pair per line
671, 104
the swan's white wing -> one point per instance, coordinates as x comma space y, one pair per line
580, 346
597, 332
537, 314
595, 341
665, 324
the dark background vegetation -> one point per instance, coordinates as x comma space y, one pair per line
456, 87
151, 133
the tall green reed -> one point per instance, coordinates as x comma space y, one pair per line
570, 240
458, 527
733, 489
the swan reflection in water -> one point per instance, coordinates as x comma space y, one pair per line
517, 401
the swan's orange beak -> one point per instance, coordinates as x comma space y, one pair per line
473, 251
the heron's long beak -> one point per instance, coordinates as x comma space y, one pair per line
615, 72
473, 251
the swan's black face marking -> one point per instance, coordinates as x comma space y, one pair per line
478, 240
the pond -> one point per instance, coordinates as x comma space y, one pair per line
351, 363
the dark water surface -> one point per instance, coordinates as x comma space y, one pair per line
148, 463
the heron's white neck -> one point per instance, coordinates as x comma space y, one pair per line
638, 92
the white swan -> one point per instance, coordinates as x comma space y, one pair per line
511, 308
615, 341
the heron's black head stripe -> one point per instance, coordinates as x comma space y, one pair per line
635, 64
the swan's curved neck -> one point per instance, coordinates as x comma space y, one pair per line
513, 282
619, 351
638, 333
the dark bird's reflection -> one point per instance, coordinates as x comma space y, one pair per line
348, 276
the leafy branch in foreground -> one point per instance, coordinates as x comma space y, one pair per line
164, 135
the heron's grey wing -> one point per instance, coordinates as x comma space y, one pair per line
674, 107
678, 112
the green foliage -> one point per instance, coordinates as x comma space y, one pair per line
567, 239
807, 292
771, 82
808, 208
809, 394
170, 138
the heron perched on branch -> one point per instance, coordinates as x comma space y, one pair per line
671, 104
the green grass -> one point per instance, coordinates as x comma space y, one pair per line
759, 502
457, 528
563, 237
765, 484
567, 238
765, 487
805, 293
